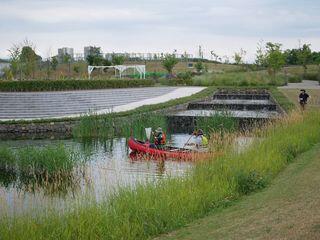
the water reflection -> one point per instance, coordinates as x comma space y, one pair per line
108, 166
58, 184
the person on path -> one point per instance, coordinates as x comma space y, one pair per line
303, 99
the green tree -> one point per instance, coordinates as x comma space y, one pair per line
168, 62
15, 63
106, 62
54, 63
239, 57
23, 59
8, 75
117, 59
95, 60
95, 57
316, 60
29, 59
275, 59
304, 56
291, 56
67, 60
199, 66
260, 56
76, 69
48, 63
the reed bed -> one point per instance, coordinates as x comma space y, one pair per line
239, 79
51, 168
50, 159
218, 122
151, 209
108, 126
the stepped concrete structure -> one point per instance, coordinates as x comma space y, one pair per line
248, 106
68, 104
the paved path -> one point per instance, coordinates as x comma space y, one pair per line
305, 84
46, 105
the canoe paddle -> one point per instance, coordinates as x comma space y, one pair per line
188, 141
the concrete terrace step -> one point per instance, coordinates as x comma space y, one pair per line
234, 104
242, 96
232, 113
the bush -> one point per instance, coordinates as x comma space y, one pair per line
294, 79
185, 78
250, 182
311, 76
59, 85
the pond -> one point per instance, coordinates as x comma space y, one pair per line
107, 166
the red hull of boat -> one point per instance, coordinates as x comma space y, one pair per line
145, 148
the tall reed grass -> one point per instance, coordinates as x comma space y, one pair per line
50, 168
35, 160
152, 209
257, 78
218, 122
108, 126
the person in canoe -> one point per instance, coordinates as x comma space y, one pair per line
199, 139
160, 138
203, 140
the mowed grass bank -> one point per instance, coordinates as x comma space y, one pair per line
288, 209
157, 208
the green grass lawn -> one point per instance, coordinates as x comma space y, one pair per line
288, 209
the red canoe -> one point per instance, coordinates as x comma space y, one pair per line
165, 153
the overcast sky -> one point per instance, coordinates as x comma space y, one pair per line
223, 26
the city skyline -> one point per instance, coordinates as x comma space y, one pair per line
154, 26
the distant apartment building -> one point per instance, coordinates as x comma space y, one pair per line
78, 57
90, 50
65, 51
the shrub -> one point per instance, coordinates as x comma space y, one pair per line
59, 85
185, 78
250, 182
311, 76
294, 79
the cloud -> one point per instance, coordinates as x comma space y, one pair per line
58, 14
152, 25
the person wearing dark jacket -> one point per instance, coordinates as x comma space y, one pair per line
303, 99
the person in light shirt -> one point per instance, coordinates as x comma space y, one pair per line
199, 140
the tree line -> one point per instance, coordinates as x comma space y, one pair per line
24, 62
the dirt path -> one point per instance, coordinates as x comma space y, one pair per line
288, 209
